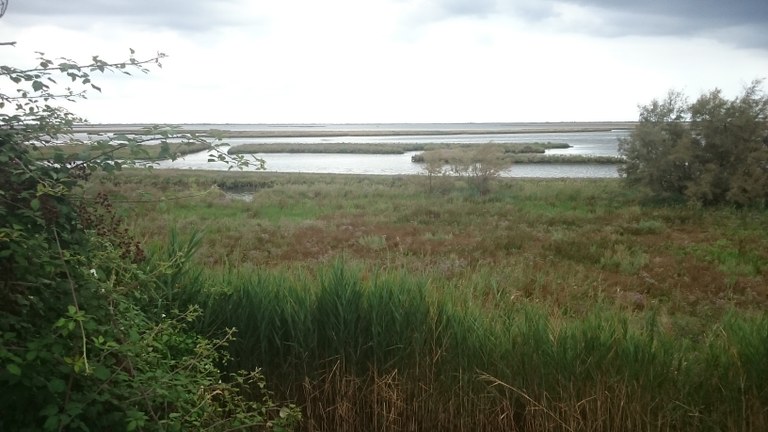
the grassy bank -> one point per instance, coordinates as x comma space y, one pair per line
546, 305
522, 155
389, 148
141, 151
564, 159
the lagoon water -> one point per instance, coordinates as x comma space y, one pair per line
603, 143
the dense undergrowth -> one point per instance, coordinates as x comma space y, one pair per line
544, 305
92, 336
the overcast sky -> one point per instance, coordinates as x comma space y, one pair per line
352, 61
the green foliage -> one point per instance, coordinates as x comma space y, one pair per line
89, 335
711, 151
344, 336
37, 120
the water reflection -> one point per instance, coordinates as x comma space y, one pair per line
383, 165
582, 143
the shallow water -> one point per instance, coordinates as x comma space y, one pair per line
603, 143
382, 165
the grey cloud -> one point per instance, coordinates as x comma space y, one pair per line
737, 22
184, 15
717, 13
468, 7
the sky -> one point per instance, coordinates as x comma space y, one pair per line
390, 61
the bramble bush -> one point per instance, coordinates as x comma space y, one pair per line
91, 337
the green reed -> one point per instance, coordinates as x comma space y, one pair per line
347, 334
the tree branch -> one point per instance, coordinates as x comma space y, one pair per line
92, 66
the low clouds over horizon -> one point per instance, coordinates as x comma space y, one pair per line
398, 60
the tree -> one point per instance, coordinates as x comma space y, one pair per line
711, 151
89, 336
479, 164
434, 165
482, 165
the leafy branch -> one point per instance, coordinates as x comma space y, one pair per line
122, 356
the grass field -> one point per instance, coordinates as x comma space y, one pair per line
544, 305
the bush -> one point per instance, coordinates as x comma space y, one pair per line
89, 335
478, 164
711, 151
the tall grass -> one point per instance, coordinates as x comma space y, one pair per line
361, 350
546, 305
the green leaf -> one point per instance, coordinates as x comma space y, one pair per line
51, 423
49, 410
37, 85
101, 372
35, 204
57, 385
14, 369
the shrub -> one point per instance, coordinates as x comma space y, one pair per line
712, 151
89, 335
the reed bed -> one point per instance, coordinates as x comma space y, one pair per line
140, 151
361, 350
388, 148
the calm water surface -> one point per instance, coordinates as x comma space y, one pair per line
582, 143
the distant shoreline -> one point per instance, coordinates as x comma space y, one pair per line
364, 129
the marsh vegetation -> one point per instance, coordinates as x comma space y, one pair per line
372, 302
136, 300
84, 151
387, 148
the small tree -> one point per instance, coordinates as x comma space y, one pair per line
434, 165
711, 151
484, 164
479, 164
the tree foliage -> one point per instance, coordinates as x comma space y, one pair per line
90, 337
478, 164
711, 151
